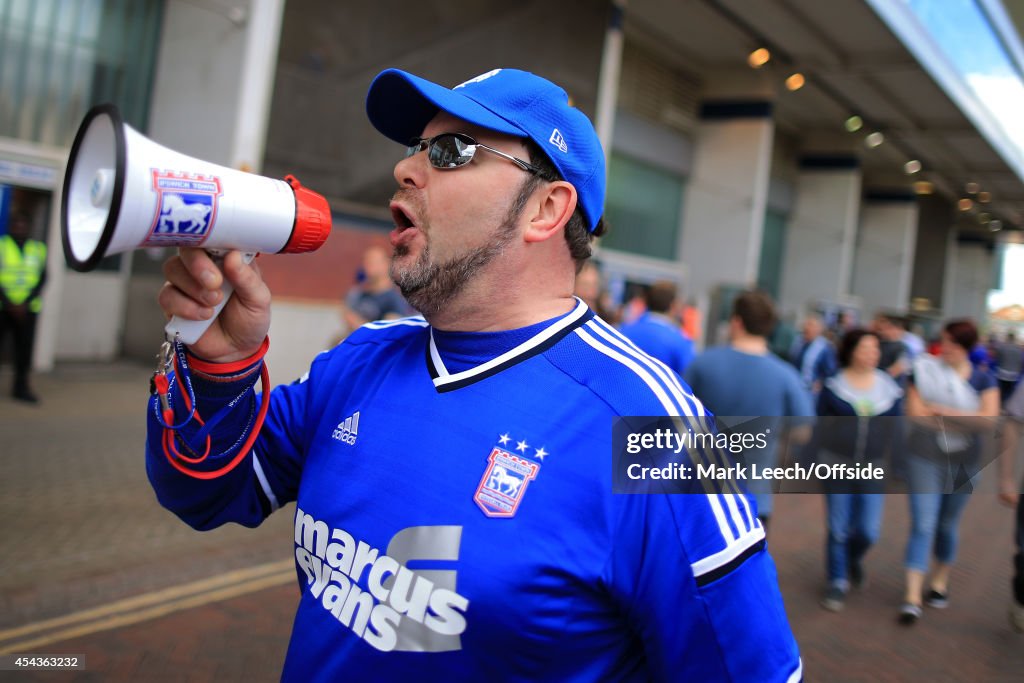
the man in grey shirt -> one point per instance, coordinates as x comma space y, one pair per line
375, 297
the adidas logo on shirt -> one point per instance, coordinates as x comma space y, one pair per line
347, 430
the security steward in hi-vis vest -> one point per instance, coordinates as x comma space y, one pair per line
22, 276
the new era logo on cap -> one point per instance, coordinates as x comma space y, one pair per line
558, 141
478, 79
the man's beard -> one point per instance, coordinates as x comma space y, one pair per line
429, 287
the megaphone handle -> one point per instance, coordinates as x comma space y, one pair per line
189, 331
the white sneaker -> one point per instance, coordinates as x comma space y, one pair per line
1017, 616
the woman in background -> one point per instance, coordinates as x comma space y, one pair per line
946, 397
858, 408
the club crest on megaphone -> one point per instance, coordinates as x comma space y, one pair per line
186, 208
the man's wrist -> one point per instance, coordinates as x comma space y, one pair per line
229, 368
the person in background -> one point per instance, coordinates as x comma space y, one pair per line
657, 330
813, 355
894, 357
590, 288
845, 320
1009, 494
633, 305
746, 380
375, 297
22, 277
913, 341
693, 323
857, 408
945, 397
784, 337
1009, 360
981, 359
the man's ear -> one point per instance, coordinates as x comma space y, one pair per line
551, 208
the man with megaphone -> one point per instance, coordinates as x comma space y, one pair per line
452, 473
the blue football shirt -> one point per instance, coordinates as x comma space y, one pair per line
454, 517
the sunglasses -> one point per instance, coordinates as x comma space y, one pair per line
455, 150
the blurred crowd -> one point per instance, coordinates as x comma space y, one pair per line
931, 412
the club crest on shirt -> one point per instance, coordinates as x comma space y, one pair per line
504, 483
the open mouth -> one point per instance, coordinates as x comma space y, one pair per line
401, 218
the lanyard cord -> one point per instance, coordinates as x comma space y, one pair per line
161, 387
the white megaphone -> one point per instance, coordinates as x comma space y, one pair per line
122, 191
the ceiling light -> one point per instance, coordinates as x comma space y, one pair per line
984, 197
758, 58
874, 139
995, 226
796, 81
984, 218
923, 187
972, 188
912, 167
853, 124
965, 204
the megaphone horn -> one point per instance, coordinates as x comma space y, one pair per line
122, 191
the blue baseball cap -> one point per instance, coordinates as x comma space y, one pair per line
508, 101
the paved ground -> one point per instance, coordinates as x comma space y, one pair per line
91, 565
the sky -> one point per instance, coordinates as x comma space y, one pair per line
965, 36
963, 32
1013, 279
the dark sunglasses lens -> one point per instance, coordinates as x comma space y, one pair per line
448, 151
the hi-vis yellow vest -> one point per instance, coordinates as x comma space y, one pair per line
20, 270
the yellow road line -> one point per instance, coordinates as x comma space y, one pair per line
117, 621
235, 577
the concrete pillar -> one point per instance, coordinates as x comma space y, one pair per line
608, 78
214, 79
724, 207
884, 254
211, 100
971, 279
822, 231
256, 84
933, 251
951, 266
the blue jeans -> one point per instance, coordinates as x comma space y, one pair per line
934, 516
854, 523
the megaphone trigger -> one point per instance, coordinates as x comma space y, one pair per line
189, 331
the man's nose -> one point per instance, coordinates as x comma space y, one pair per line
411, 171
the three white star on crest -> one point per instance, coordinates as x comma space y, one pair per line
522, 446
